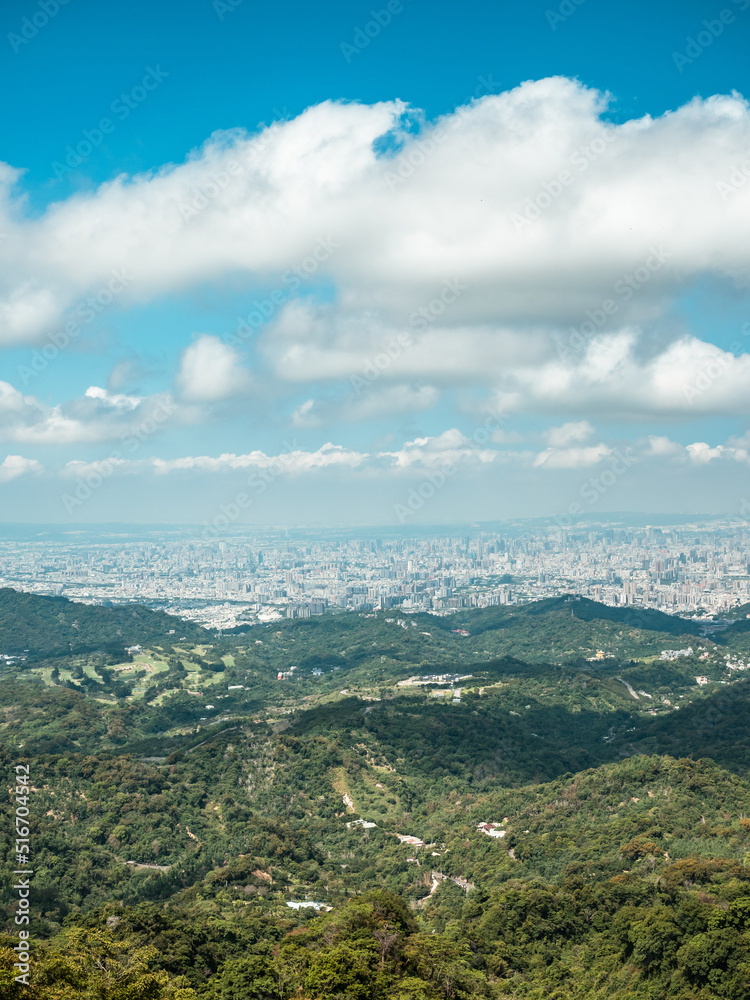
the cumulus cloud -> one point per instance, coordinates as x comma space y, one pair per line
96, 416
572, 458
613, 379
660, 446
376, 402
306, 414
446, 449
80, 469
474, 197
292, 460
702, 453
316, 341
570, 433
14, 466
210, 371
450, 449
393, 400
697, 452
513, 251
617, 374
508, 437
116, 400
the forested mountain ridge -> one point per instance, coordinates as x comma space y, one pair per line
567, 823
584, 610
30, 623
55, 625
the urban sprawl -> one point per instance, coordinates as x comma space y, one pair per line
262, 576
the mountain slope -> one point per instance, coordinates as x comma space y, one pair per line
189, 805
56, 626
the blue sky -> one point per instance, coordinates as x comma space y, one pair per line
502, 250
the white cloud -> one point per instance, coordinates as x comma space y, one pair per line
570, 433
115, 399
79, 469
311, 341
14, 466
614, 378
210, 371
446, 449
572, 458
292, 460
462, 271
26, 311
390, 401
402, 232
96, 416
508, 437
660, 446
449, 449
305, 415
734, 450
376, 402
702, 453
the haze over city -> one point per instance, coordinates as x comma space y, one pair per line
244, 579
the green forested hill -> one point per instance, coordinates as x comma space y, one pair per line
558, 629
581, 609
182, 799
54, 625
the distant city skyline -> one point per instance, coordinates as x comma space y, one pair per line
396, 266
255, 578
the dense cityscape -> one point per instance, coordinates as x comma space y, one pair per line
260, 576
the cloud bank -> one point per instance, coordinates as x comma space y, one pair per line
524, 253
